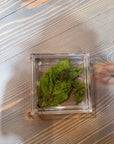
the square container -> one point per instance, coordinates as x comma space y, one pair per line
41, 63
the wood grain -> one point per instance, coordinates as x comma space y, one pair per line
10, 105
29, 31
61, 127
10, 7
55, 26
61, 132
30, 4
101, 140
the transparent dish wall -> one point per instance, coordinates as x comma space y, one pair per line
41, 63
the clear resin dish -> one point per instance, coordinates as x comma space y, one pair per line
41, 63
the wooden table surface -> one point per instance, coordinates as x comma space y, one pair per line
55, 26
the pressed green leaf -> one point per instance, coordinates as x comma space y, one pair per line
57, 82
47, 82
60, 92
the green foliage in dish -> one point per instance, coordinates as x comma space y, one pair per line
56, 84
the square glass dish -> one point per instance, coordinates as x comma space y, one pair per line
41, 63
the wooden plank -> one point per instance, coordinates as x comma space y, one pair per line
54, 26
20, 31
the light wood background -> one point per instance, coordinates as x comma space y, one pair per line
55, 26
